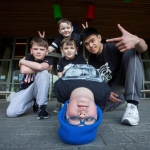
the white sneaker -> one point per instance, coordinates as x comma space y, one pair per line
131, 115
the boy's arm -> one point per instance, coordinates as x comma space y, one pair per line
60, 74
34, 65
51, 49
26, 70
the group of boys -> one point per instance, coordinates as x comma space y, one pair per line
85, 89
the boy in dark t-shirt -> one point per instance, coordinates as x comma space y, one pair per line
35, 84
120, 66
69, 50
65, 29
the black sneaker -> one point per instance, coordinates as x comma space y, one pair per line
35, 106
42, 112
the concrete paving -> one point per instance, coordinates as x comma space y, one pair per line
28, 133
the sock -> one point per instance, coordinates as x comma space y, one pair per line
133, 102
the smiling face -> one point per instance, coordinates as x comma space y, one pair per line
93, 44
81, 104
69, 50
39, 52
65, 29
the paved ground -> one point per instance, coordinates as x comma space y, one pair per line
28, 133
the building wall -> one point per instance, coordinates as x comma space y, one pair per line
25, 18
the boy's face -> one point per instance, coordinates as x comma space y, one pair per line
39, 52
93, 44
65, 29
69, 50
81, 108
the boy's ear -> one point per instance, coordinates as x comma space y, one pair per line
100, 38
31, 50
47, 52
62, 52
76, 48
72, 28
59, 31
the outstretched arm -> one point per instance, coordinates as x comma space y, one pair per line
128, 41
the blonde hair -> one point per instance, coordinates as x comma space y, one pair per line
64, 20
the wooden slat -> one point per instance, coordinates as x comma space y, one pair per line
25, 18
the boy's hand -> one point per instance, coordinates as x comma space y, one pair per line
50, 68
114, 97
126, 41
85, 26
41, 35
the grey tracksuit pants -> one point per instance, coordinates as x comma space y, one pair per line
129, 79
23, 100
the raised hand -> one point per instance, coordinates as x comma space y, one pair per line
126, 41
41, 35
85, 26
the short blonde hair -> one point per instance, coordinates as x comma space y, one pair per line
64, 20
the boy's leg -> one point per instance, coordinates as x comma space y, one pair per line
21, 102
41, 90
133, 86
129, 78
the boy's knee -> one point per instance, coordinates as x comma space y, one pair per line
12, 112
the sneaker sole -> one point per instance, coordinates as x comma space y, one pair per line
41, 117
126, 122
55, 111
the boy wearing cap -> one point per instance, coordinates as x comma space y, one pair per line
87, 93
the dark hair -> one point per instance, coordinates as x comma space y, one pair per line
68, 41
40, 42
87, 32
64, 20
